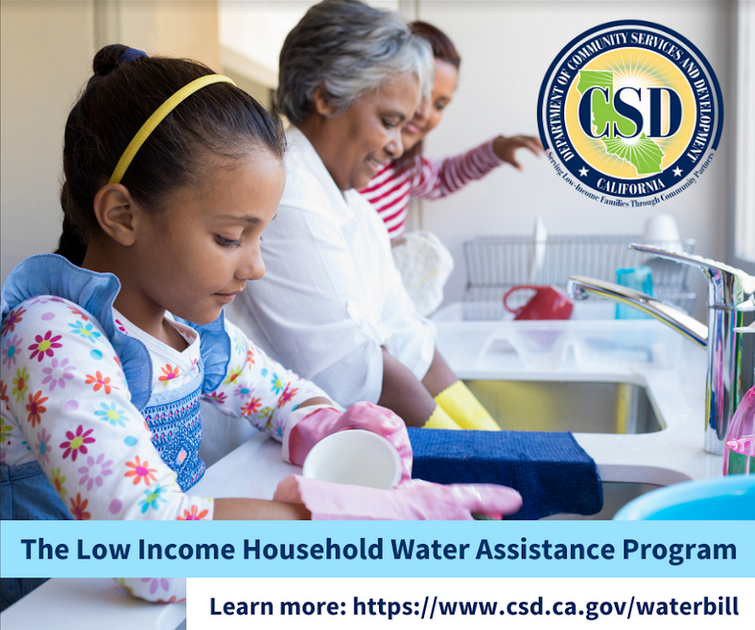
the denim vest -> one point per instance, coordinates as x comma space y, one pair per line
26, 494
173, 418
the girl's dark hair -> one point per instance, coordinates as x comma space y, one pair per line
219, 119
443, 49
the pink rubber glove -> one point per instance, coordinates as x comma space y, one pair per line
362, 415
412, 500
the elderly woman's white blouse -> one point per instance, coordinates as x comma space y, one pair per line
331, 295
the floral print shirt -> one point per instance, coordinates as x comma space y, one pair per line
66, 403
121, 441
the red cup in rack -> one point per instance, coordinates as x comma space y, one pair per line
547, 303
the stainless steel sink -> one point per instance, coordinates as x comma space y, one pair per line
615, 496
579, 406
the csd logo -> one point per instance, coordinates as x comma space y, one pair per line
628, 111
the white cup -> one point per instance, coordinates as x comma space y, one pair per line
356, 457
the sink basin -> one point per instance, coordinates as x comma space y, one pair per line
578, 406
615, 496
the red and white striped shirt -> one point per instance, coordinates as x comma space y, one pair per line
389, 191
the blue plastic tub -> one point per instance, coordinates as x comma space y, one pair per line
726, 499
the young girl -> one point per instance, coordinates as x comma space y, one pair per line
413, 175
171, 175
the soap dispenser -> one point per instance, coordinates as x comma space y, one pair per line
739, 445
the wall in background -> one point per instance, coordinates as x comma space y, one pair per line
46, 55
506, 48
252, 33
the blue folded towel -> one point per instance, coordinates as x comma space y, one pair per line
550, 470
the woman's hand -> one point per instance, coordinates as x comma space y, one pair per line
505, 148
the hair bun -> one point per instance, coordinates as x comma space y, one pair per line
108, 58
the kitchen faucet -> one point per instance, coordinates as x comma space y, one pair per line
731, 294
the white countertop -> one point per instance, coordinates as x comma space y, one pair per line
675, 381
83, 603
76, 603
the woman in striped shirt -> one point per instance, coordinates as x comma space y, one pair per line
413, 175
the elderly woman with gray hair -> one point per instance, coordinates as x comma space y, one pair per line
332, 305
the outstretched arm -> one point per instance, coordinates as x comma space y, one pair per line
258, 388
440, 178
505, 148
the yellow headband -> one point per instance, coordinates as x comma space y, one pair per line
156, 118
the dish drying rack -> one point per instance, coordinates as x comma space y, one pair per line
495, 264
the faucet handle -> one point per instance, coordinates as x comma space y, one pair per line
727, 286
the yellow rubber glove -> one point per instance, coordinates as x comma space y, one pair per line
439, 419
465, 410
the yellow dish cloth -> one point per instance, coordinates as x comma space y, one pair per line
439, 419
464, 409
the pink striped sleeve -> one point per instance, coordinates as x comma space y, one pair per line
441, 178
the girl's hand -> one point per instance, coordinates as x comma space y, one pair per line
412, 500
362, 415
505, 148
